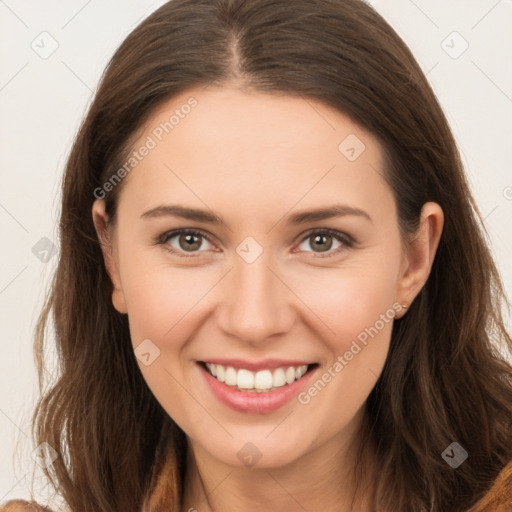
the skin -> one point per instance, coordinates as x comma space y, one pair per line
254, 159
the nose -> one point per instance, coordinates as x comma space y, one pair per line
256, 301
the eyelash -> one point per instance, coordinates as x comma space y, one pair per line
347, 240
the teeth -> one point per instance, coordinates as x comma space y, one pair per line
230, 376
290, 375
244, 379
264, 380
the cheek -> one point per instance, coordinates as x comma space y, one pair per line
158, 294
354, 306
159, 300
348, 299
162, 304
359, 315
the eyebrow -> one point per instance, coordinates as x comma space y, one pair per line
302, 217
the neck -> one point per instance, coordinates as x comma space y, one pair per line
320, 479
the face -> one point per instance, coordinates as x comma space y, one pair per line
266, 287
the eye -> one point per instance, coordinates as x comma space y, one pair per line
187, 240
322, 239
191, 240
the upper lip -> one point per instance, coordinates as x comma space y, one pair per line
254, 366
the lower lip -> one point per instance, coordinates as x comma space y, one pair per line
256, 402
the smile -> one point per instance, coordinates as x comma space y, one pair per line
266, 388
260, 381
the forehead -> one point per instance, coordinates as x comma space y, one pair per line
222, 146
212, 117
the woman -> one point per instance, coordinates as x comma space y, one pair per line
212, 358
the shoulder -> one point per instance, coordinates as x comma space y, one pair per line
22, 506
499, 497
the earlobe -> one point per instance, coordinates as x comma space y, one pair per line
100, 220
420, 253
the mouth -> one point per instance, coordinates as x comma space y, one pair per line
262, 381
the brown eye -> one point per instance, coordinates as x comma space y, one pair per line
189, 241
183, 241
321, 241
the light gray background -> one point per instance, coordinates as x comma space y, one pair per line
43, 98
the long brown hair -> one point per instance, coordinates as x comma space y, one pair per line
444, 380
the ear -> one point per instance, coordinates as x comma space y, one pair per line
108, 249
419, 254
